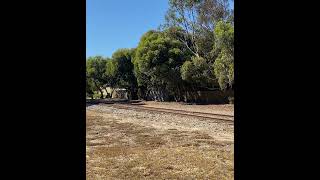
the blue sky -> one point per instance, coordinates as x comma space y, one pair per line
114, 24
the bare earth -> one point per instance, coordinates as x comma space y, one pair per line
129, 144
227, 109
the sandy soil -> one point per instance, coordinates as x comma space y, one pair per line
227, 109
127, 144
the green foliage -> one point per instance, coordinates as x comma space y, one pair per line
120, 70
96, 95
158, 60
90, 87
224, 70
95, 71
224, 34
202, 28
188, 71
96, 67
224, 64
158, 55
197, 18
192, 51
122, 67
197, 72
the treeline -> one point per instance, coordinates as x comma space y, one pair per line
193, 50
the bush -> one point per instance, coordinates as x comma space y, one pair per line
96, 96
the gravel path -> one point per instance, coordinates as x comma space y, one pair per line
162, 121
227, 109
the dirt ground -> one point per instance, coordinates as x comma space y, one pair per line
227, 109
127, 144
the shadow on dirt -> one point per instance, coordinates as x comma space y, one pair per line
90, 102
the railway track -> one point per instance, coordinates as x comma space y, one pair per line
210, 116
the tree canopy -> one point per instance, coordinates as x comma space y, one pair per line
120, 69
157, 61
193, 49
95, 71
224, 45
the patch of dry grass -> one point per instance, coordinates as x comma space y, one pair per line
162, 163
128, 151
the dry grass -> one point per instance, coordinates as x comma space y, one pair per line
118, 150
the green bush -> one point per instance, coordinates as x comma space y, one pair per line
96, 96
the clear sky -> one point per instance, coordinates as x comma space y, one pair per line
114, 24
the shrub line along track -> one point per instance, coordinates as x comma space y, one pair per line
223, 117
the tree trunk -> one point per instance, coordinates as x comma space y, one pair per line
101, 92
133, 94
108, 95
111, 93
